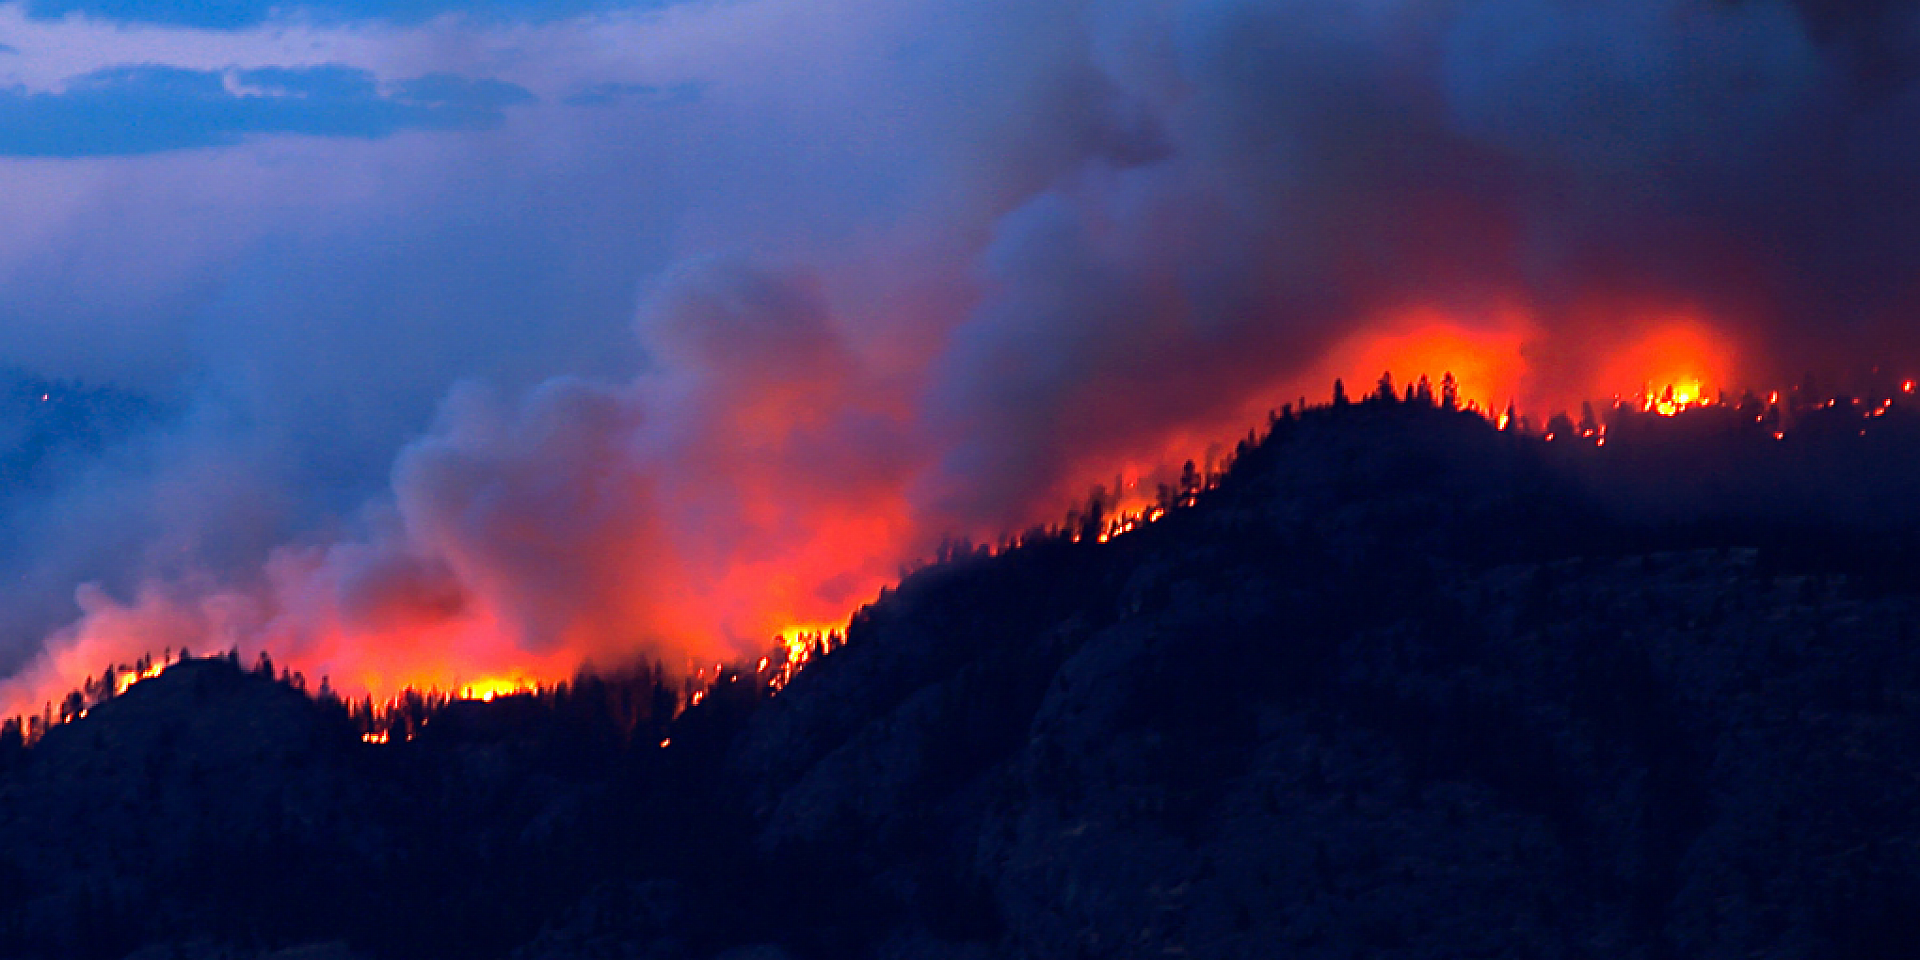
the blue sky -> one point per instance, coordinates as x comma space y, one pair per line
236, 14
146, 109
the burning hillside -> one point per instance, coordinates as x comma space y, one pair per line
651, 478
778, 314
1394, 673
388, 707
525, 542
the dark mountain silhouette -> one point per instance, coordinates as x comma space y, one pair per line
1397, 685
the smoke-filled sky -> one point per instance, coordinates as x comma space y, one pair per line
480, 338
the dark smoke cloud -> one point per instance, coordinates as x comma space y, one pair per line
1320, 163
913, 270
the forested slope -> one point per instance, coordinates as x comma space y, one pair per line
1399, 685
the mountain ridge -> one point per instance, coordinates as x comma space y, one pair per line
1401, 684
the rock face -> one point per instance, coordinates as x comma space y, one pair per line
1401, 686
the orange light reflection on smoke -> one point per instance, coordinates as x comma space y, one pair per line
1484, 355
1686, 356
816, 556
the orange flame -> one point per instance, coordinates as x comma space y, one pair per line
1674, 367
1485, 356
813, 556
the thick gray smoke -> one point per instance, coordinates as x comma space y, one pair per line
901, 270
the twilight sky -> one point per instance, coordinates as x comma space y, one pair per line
492, 337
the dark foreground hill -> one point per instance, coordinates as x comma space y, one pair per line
1400, 686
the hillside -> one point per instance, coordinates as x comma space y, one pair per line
1399, 686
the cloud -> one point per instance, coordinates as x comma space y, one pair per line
237, 14
609, 93
151, 109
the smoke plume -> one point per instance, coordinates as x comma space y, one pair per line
902, 271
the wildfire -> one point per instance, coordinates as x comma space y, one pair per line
1485, 359
491, 687
416, 645
1671, 367
794, 649
1125, 521
127, 678
1675, 398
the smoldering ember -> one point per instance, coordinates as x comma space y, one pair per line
823, 479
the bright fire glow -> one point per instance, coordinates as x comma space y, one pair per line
822, 554
492, 687
1670, 369
127, 678
797, 646
1674, 398
1485, 358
